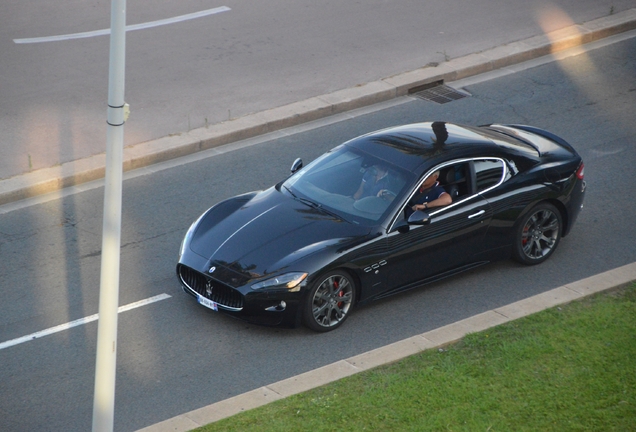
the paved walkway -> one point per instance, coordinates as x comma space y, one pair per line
505, 56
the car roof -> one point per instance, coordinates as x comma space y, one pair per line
414, 145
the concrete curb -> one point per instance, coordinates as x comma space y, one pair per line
140, 155
396, 351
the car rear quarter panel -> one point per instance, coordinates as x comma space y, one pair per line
511, 201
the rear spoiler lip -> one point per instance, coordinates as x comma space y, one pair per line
544, 133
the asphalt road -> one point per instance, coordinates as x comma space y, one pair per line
175, 356
258, 55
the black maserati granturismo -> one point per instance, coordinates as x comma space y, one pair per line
354, 225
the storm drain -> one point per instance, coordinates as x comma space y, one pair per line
438, 93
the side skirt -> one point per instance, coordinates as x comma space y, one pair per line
429, 280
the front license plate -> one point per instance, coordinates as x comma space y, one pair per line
207, 303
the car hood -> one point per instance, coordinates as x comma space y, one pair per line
266, 234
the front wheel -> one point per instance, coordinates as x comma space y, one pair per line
538, 235
329, 302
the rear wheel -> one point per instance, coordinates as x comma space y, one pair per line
329, 302
538, 235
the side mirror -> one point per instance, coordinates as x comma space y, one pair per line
298, 164
419, 218
402, 226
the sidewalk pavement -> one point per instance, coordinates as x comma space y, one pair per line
180, 144
396, 351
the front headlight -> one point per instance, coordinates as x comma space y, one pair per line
290, 281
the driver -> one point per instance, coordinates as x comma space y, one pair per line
430, 194
374, 182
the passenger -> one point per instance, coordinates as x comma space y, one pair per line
374, 182
430, 195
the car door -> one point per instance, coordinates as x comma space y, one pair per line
507, 199
448, 241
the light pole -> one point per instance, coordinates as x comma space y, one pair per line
106, 356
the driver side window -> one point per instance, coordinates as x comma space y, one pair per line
431, 194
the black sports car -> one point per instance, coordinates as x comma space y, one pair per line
380, 214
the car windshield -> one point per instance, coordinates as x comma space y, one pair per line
357, 186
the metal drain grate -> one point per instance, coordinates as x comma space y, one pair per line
440, 94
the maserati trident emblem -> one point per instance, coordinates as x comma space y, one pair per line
211, 269
208, 288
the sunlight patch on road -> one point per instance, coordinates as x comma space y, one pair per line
551, 17
582, 73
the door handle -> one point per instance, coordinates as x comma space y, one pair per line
479, 213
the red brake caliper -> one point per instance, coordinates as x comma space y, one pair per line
340, 293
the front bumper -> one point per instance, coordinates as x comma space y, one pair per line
266, 307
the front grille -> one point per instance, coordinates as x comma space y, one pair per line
209, 288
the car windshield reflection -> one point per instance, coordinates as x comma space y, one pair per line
355, 185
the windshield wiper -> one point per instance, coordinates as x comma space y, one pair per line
315, 205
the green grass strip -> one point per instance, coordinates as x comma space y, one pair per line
571, 368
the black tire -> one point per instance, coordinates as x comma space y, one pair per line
329, 302
538, 234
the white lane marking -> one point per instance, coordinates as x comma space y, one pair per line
80, 321
128, 28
